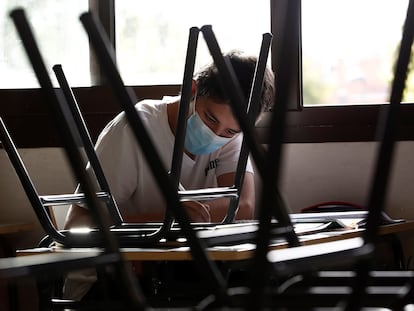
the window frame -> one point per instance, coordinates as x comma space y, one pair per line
31, 125
350, 123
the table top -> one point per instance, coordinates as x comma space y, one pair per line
237, 252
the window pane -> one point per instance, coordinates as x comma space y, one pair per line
151, 36
59, 34
348, 50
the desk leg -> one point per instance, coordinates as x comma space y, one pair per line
11, 284
397, 250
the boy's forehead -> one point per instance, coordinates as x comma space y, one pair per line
223, 112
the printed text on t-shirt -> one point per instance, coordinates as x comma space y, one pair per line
211, 165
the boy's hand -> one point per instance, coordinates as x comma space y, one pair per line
198, 212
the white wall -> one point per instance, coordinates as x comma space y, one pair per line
343, 172
312, 173
49, 172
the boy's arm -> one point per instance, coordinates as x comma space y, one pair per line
218, 208
78, 217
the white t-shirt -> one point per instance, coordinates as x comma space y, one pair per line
129, 176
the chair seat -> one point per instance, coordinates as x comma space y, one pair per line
67, 199
344, 277
313, 297
51, 265
318, 256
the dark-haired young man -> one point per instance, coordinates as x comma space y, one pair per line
212, 147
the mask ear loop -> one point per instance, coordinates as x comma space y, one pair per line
192, 109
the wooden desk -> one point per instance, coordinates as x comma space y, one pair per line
15, 228
9, 251
225, 253
230, 256
7, 229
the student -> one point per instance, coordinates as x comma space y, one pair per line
212, 147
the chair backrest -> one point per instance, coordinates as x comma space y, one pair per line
302, 259
126, 278
40, 210
127, 101
386, 133
76, 114
361, 257
42, 204
275, 203
252, 110
76, 124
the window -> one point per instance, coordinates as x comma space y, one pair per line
151, 36
347, 48
351, 60
59, 34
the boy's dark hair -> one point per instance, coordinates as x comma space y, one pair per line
208, 83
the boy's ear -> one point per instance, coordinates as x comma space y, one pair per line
193, 88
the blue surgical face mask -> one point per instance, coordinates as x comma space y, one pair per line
200, 139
